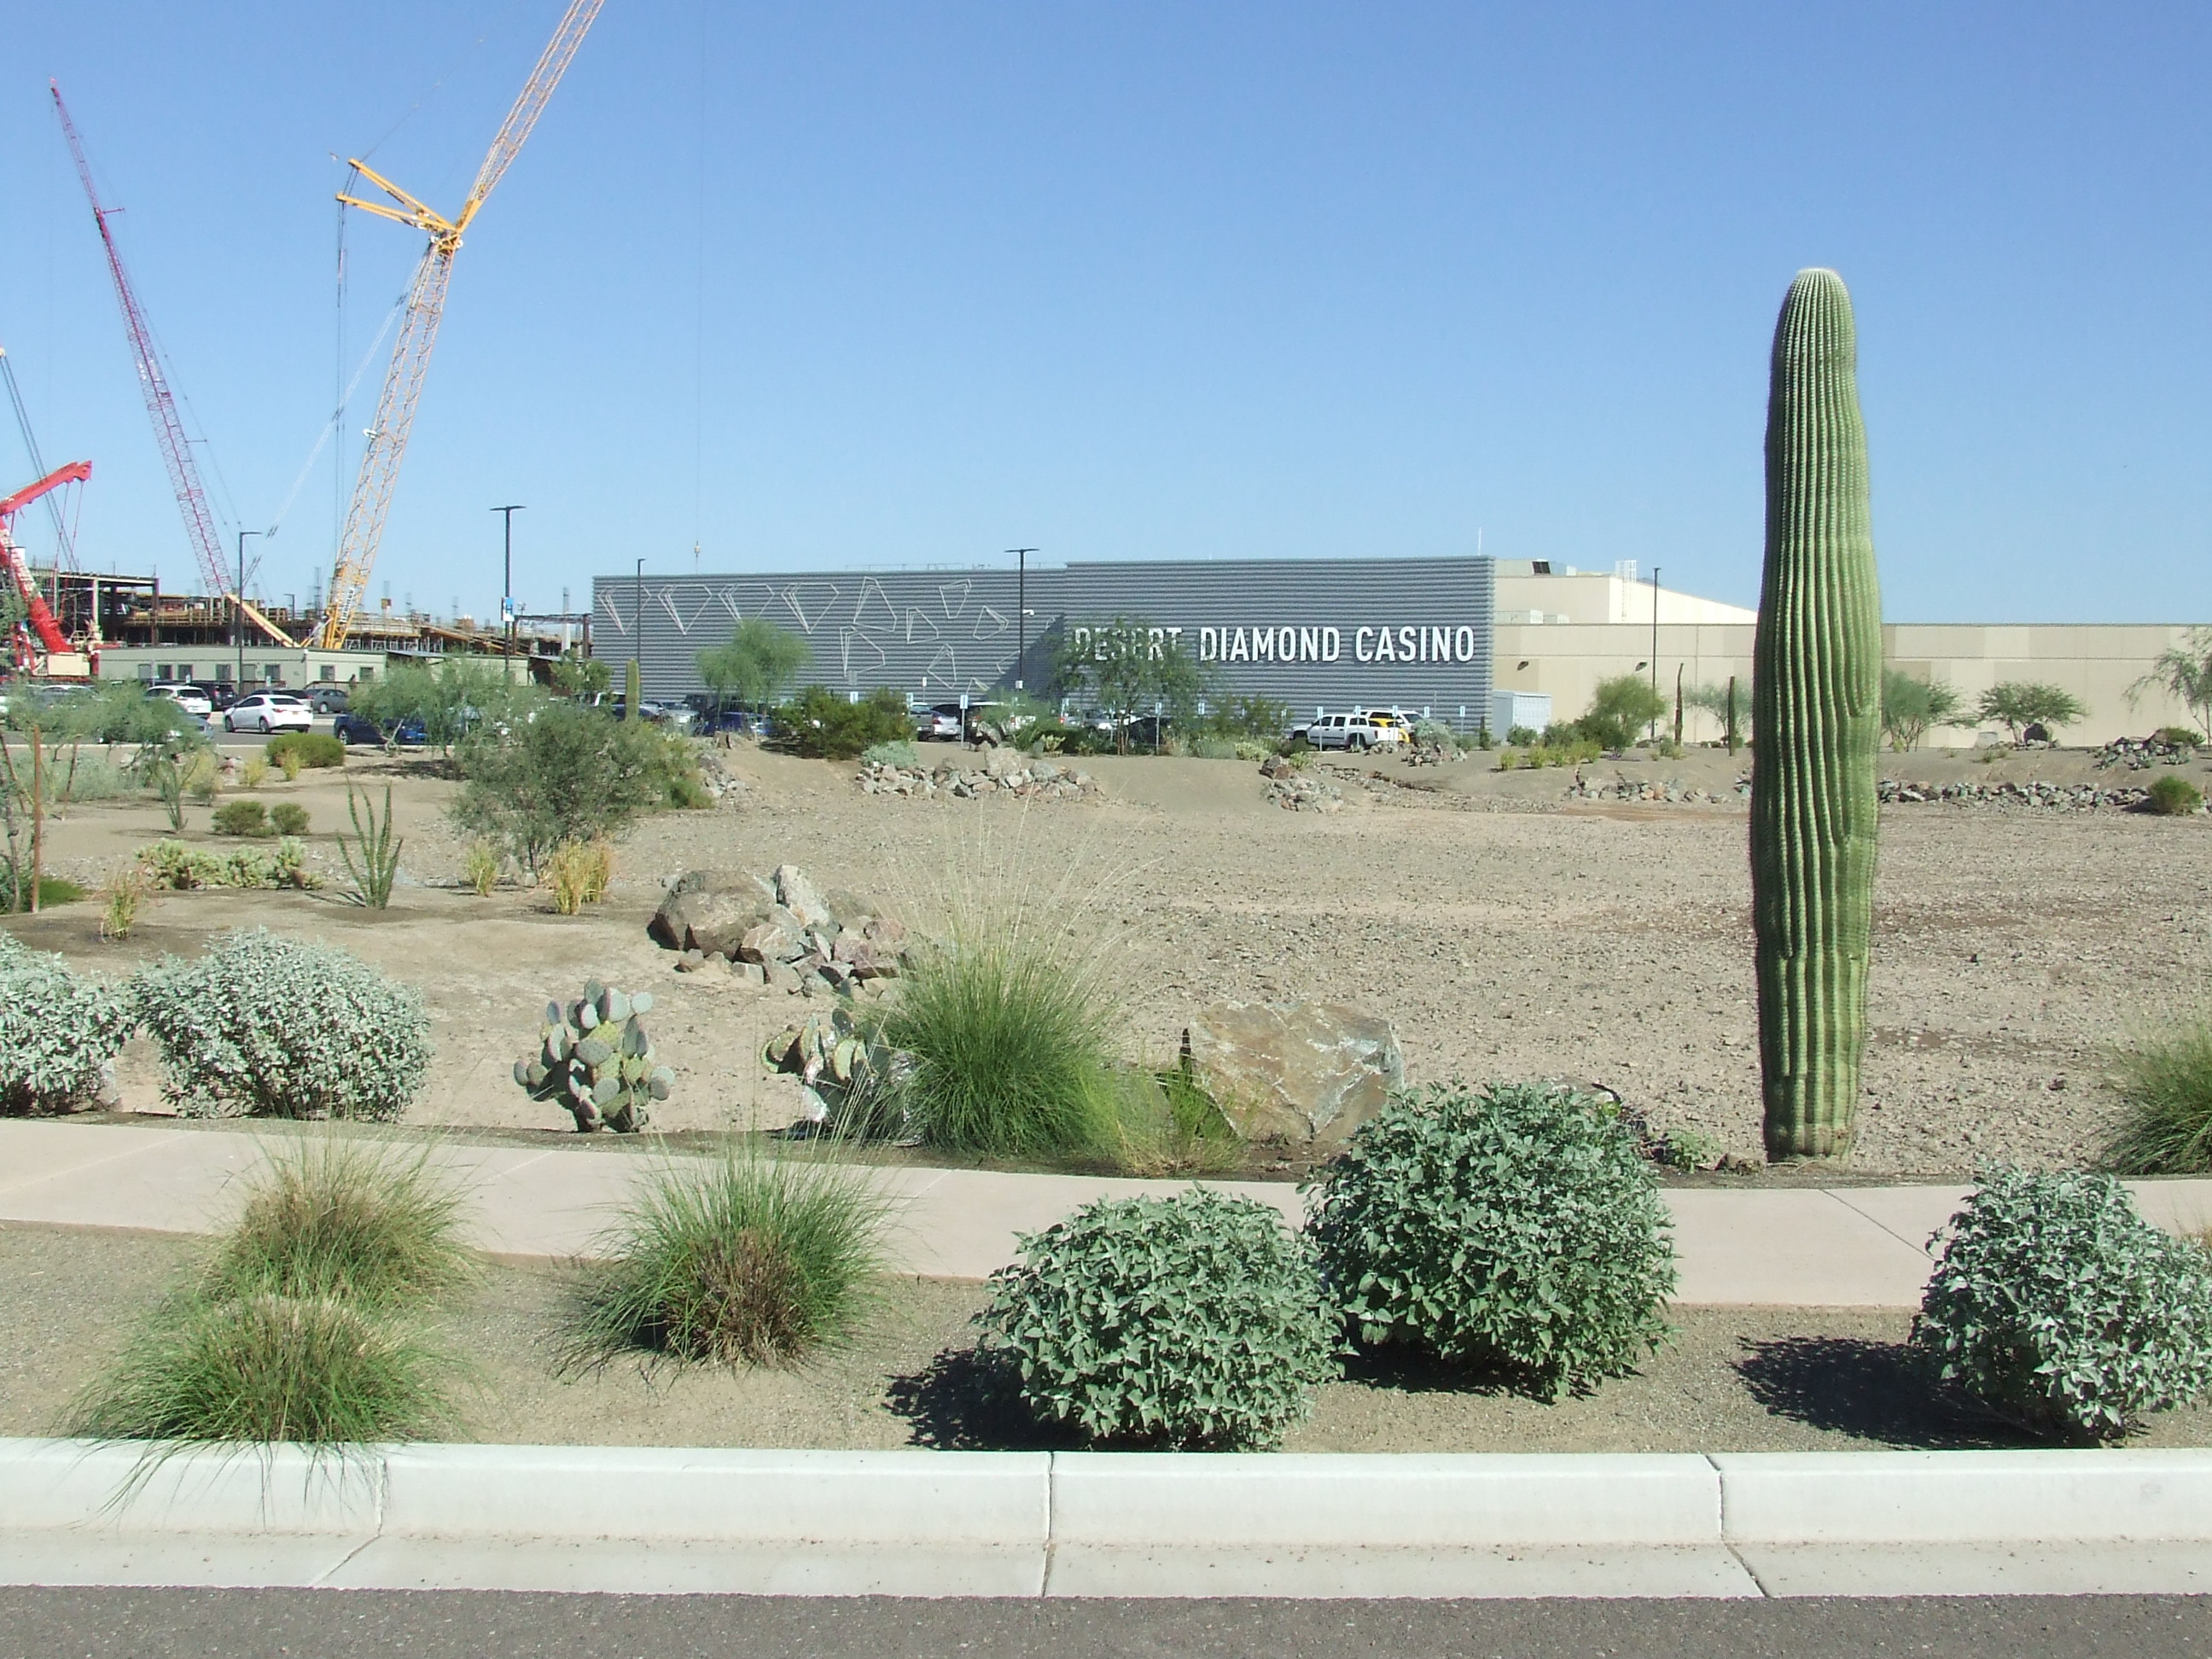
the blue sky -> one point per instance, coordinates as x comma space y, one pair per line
912, 283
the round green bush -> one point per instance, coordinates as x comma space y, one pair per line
266, 1026
2172, 796
242, 817
314, 749
1197, 1321
58, 1031
2063, 1311
1514, 1229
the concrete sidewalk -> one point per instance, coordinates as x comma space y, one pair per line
1807, 1247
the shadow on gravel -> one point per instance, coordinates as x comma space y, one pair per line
1872, 1391
962, 1401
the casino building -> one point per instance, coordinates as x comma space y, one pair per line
1415, 635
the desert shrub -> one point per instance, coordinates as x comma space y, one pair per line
57, 1029
91, 777
1195, 1321
2063, 1311
360, 1220
1203, 746
897, 752
1514, 1229
288, 818
264, 1367
1435, 733
266, 1026
480, 864
242, 817
172, 865
2164, 1082
2171, 796
743, 1260
123, 896
16, 888
1687, 1148
1523, 737
2178, 737
1620, 709
289, 764
1008, 1049
568, 774
254, 773
314, 749
821, 724
579, 874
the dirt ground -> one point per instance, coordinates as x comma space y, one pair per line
1734, 1379
1509, 931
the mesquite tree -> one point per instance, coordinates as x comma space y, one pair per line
1816, 709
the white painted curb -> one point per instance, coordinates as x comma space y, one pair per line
910, 1523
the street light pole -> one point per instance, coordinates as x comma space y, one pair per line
238, 609
1655, 632
637, 640
1021, 609
507, 587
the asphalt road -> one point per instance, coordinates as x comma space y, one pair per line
64, 1624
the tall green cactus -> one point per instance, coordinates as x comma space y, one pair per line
1816, 718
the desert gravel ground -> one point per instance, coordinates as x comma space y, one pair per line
1509, 931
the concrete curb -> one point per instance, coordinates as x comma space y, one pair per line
906, 1522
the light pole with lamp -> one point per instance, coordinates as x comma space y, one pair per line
238, 611
637, 641
1021, 609
507, 585
1655, 639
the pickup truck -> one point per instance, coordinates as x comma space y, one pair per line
1360, 729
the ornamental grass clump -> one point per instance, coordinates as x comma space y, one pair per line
2064, 1312
746, 1261
1514, 1229
266, 1026
2165, 1081
1192, 1322
58, 1030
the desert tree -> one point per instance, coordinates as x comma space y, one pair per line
2015, 704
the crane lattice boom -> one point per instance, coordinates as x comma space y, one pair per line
161, 407
418, 330
42, 619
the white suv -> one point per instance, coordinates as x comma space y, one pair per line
268, 711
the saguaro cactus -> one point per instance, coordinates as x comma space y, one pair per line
1816, 718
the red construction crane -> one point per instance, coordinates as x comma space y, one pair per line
42, 619
161, 407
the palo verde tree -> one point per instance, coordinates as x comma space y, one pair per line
2184, 672
2017, 704
754, 664
1620, 710
1911, 707
1128, 668
1816, 700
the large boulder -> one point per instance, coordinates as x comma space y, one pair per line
709, 919
1299, 1071
801, 898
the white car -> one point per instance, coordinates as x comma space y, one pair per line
268, 711
189, 698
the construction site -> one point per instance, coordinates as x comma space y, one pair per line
66, 623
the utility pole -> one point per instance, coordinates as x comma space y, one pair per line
1655, 636
1021, 609
506, 582
238, 609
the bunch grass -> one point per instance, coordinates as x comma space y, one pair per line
744, 1260
2164, 1081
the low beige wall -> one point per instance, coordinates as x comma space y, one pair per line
2098, 663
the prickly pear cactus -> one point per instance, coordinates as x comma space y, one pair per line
595, 1058
850, 1078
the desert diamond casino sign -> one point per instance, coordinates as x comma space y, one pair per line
1412, 634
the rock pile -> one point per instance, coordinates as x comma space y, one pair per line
1001, 770
2137, 754
1623, 787
781, 932
726, 787
2066, 797
1296, 791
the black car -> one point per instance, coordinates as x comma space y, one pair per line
221, 694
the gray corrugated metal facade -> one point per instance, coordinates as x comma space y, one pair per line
1412, 634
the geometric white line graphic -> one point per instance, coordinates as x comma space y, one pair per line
989, 623
916, 619
948, 592
816, 597
884, 614
859, 651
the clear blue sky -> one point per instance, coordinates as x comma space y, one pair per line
912, 283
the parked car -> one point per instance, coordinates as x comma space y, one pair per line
938, 723
268, 711
186, 696
1357, 730
219, 694
326, 698
350, 728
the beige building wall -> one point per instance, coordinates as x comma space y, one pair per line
2098, 663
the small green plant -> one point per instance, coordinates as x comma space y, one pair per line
1524, 737
2179, 737
311, 750
58, 1032
266, 1026
480, 864
895, 751
1688, 1149
1008, 1046
245, 818
1197, 1321
2062, 1311
377, 849
288, 818
2164, 1082
2173, 796
578, 874
743, 1260
175, 866
1514, 1229
202, 777
16, 889
123, 896
361, 1221
254, 773
594, 1058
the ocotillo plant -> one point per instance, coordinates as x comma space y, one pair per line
1816, 709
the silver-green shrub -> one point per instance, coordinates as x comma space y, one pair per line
266, 1026
57, 1031
175, 865
2063, 1311
1514, 1229
1197, 1321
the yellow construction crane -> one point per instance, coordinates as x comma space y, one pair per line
418, 329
